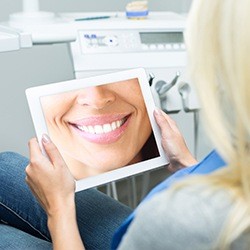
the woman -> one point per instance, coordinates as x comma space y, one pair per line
100, 122
218, 41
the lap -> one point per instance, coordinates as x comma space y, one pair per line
18, 207
12, 238
98, 215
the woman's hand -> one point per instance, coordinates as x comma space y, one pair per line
53, 185
173, 142
49, 178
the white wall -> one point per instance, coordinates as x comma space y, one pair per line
45, 64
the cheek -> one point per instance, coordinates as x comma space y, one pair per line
146, 127
54, 113
142, 121
50, 115
140, 106
136, 100
55, 107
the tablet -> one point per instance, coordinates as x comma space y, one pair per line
103, 126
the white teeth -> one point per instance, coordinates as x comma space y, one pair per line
113, 125
118, 124
107, 128
98, 129
101, 129
84, 128
91, 130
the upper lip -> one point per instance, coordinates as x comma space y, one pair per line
98, 120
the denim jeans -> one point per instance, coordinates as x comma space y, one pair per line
24, 222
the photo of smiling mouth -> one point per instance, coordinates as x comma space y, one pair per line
104, 129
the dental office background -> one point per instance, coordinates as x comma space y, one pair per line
51, 63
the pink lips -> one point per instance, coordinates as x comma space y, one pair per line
101, 138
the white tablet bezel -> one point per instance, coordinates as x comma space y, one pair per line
35, 93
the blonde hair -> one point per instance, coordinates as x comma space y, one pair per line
218, 42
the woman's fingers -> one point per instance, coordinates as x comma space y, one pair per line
34, 148
37, 159
52, 151
163, 122
48, 177
173, 142
170, 121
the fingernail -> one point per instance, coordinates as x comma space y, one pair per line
45, 138
158, 111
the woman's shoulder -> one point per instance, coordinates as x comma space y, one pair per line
185, 201
201, 198
187, 217
192, 209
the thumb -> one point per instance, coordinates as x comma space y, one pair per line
52, 151
162, 122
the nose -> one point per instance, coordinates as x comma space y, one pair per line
97, 97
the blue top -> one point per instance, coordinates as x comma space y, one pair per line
209, 164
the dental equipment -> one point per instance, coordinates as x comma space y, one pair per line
44, 27
162, 88
13, 39
185, 92
189, 99
114, 44
156, 44
151, 78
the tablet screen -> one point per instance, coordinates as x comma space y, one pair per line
102, 126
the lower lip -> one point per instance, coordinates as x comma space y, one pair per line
106, 138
